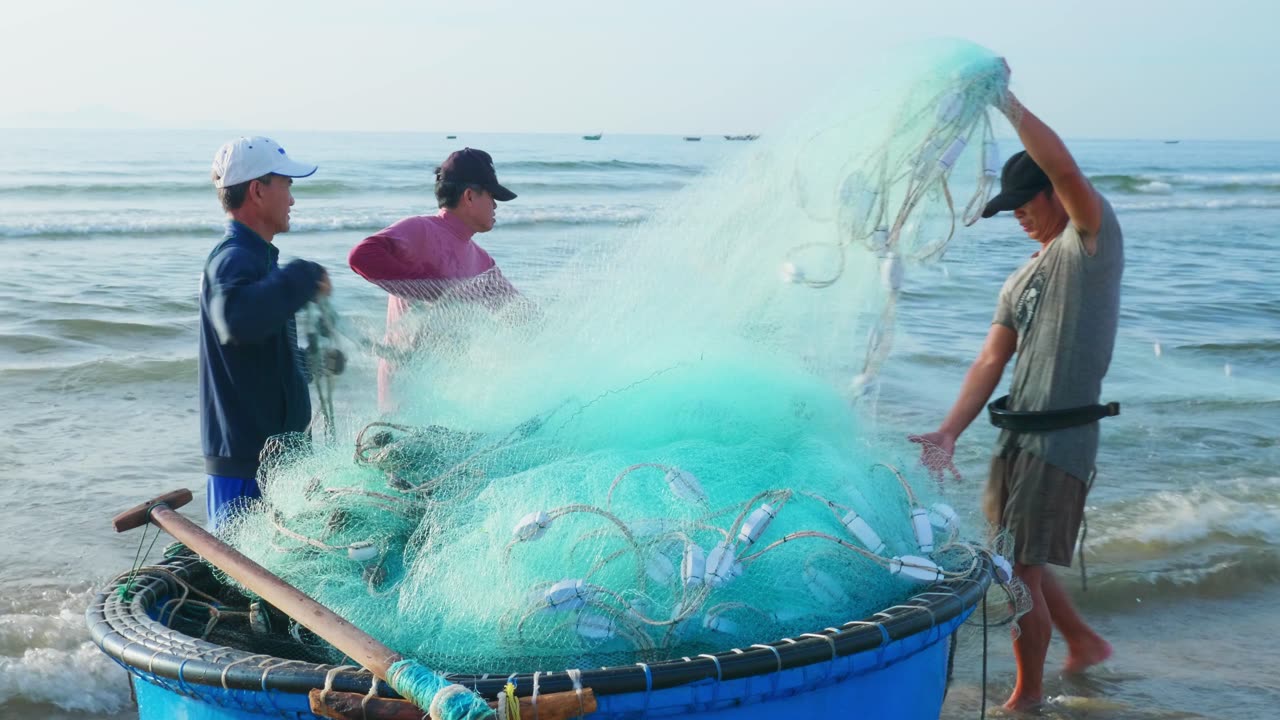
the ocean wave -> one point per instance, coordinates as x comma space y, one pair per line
1156, 187
587, 187
61, 629
1269, 348
158, 304
598, 215
83, 679
46, 658
551, 166
545, 182
1218, 576
204, 224
97, 374
1212, 541
1214, 405
600, 165
90, 329
201, 187
1242, 511
1199, 204
24, 343
1164, 183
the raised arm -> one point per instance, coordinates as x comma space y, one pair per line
1073, 189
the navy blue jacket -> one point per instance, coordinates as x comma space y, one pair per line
252, 379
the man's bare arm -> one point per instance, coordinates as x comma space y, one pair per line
1073, 189
981, 380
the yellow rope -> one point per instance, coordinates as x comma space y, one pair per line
513, 702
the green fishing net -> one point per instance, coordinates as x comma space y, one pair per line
661, 455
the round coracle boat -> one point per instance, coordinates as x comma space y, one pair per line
197, 648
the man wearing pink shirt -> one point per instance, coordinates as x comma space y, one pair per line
429, 257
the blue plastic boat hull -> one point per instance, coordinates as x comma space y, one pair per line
905, 680
892, 666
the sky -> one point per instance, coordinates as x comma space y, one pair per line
1120, 69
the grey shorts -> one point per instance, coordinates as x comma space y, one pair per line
1039, 504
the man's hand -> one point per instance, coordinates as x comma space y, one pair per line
323, 286
1006, 102
937, 450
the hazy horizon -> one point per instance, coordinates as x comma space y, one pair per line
1095, 69
271, 132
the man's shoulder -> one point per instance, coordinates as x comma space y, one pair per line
224, 248
1096, 245
1109, 220
230, 253
413, 224
231, 245
411, 231
1023, 267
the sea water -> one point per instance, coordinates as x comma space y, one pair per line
102, 241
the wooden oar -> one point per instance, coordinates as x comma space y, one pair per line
407, 677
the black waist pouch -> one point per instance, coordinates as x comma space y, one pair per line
1046, 420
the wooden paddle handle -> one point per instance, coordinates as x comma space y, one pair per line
353, 706
348, 638
140, 515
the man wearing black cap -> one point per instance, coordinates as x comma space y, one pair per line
427, 257
1058, 314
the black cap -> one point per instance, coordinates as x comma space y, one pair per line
1020, 180
473, 167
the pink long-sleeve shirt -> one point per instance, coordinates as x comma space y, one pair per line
425, 258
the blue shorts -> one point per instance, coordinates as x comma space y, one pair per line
224, 495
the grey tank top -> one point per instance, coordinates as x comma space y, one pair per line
1065, 305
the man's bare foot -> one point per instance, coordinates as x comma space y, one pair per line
1084, 657
1018, 703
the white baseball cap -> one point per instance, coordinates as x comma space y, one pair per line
250, 158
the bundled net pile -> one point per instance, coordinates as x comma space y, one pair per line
661, 457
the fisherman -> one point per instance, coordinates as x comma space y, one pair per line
252, 377
426, 257
1058, 313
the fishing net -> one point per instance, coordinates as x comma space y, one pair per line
662, 454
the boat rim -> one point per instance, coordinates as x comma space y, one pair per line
126, 632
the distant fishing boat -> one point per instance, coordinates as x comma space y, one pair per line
741, 137
692, 138
450, 137
1172, 142
597, 136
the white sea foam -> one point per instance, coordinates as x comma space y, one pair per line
46, 657
138, 224
80, 679
20, 632
1217, 179
1156, 187
1198, 204
1186, 517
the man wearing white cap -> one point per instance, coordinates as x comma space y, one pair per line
252, 380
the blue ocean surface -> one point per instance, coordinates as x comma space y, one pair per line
102, 239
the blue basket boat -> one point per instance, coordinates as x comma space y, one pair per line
891, 665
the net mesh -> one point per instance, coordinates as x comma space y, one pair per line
662, 455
